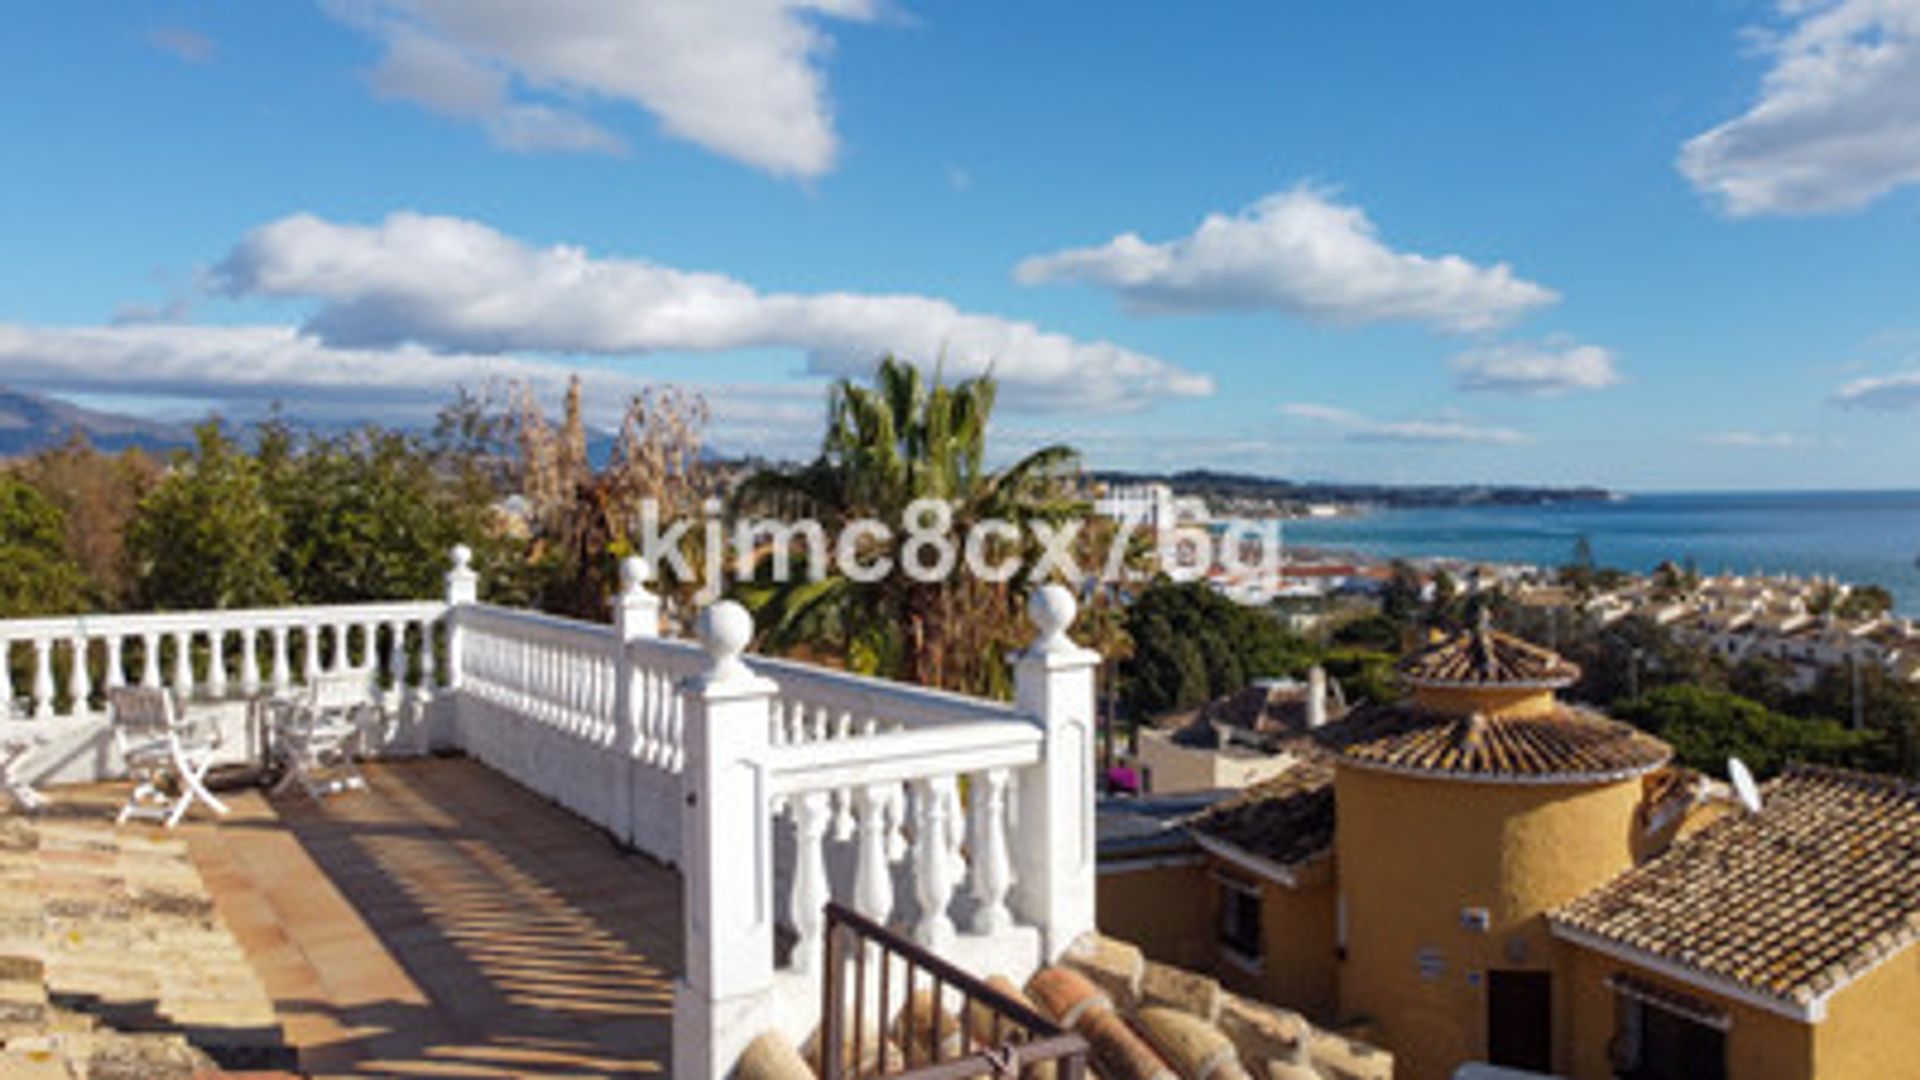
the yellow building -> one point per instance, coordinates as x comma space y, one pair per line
1483, 873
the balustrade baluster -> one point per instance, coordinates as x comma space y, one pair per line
811, 887
150, 661
249, 661
116, 673
992, 865
429, 663
310, 663
217, 662
933, 874
183, 665
42, 678
282, 665
369, 651
79, 679
873, 875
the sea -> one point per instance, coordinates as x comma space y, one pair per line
1856, 536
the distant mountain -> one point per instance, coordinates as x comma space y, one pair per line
1223, 485
30, 423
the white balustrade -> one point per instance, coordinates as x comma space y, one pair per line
194, 652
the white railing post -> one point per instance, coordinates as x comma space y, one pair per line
1054, 852
463, 589
724, 999
636, 615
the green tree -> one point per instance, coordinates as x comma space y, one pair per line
1191, 645
1706, 727
368, 516
37, 575
1374, 632
887, 446
208, 536
1889, 708
1865, 602
1401, 599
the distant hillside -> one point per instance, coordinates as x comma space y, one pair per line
30, 423
1219, 485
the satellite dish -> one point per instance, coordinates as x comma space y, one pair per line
1743, 785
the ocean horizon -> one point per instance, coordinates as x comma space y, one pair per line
1860, 537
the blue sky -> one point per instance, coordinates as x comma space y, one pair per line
1646, 245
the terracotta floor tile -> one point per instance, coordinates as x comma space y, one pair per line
446, 923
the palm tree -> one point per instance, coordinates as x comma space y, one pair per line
886, 446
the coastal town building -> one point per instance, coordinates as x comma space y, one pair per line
1239, 740
1483, 873
1794, 621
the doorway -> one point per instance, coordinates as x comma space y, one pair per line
1520, 1019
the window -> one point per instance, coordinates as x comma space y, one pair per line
1240, 919
1660, 1035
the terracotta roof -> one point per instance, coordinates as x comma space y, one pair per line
1287, 818
1484, 657
1791, 903
1568, 743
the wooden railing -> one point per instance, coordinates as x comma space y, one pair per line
991, 1035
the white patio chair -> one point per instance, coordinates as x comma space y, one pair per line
318, 735
162, 749
15, 748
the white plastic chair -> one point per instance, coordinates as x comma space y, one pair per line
318, 736
162, 748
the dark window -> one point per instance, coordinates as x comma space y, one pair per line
1653, 1043
1520, 1020
1240, 918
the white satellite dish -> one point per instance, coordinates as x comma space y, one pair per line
1743, 785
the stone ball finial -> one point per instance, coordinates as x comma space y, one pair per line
725, 629
633, 573
462, 557
1052, 608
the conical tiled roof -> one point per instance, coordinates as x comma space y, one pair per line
1566, 744
1482, 657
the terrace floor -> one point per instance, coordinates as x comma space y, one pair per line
447, 922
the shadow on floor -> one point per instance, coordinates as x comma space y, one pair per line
446, 922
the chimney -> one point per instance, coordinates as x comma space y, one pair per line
1316, 697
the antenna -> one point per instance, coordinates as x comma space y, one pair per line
1743, 785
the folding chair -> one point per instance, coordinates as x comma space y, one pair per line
14, 750
317, 738
162, 749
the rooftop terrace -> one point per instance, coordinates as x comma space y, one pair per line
627, 872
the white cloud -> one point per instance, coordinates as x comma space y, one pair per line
241, 369
1543, 369
1298, 252
1889, 392
1441, 430
458, 285
190, 45
1838, 120
739, 77
1757, 440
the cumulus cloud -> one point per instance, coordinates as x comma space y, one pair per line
458, 285
190, 45
1838, 120
1757, 440
1889, 392
1302, 253
1355, 427
241, 369
738, 77
1543, 369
